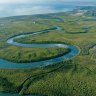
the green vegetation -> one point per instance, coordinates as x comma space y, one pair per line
31, 55
75, 77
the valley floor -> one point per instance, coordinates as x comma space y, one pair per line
75, 77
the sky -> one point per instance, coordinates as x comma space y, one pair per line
29, 7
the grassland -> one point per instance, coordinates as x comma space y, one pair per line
15, 27
75, 77
24, 55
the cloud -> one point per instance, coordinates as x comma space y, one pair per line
25, 1
28, 7
37, 10
34, 10
29, 11
39, 1
12, 1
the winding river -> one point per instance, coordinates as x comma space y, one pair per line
10, 65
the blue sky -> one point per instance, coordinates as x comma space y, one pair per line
28, 7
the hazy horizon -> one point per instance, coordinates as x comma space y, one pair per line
29, 7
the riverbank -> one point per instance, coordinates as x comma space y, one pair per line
66, 78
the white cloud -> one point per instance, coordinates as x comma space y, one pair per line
1, 8
25, 1
29, 11
28, 7
34, 10
12, 1
37, 1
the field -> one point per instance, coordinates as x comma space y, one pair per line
75, 77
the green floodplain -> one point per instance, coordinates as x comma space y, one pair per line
75, 77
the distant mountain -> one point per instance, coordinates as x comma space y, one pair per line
91, 13
87, 7
87, 10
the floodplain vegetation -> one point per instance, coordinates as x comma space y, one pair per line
75, 77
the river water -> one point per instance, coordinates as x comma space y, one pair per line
8, 64
11, 65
